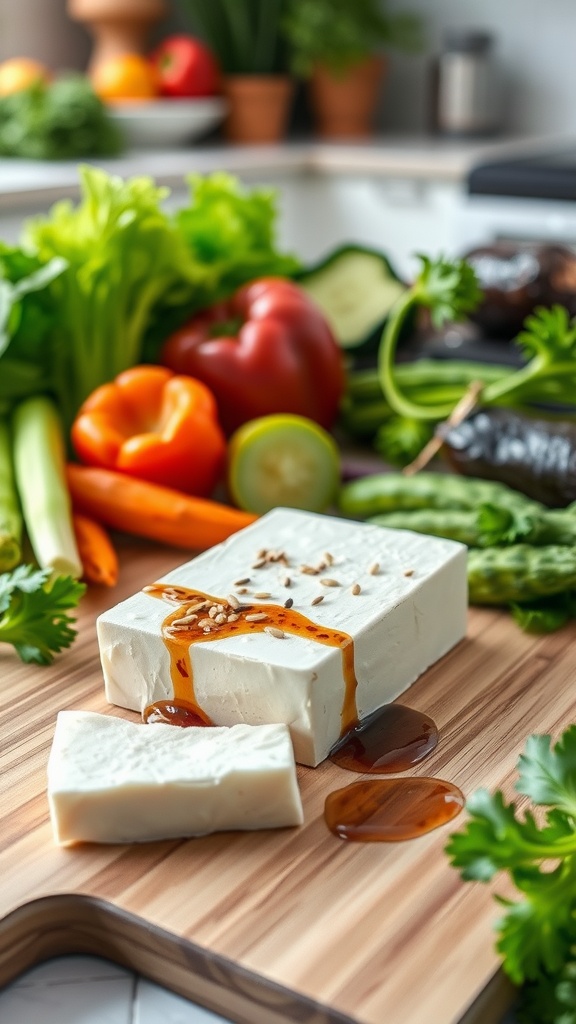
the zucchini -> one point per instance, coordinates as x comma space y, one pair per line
355, 287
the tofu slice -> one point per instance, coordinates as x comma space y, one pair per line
411, 609
113, 781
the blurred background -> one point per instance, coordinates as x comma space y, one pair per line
533, 47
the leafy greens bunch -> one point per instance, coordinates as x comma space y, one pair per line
537, 934
94, 290
120, 272
60, 120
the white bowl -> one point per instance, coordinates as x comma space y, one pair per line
164, 123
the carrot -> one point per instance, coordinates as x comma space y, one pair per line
150, 510
97, 553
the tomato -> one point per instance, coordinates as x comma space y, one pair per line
185, 67
20, 72
127, 76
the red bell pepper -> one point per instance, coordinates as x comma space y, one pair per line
266, 350
153, 425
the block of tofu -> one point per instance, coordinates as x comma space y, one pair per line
411, 608
112, 781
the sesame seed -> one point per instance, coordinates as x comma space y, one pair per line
309, 570
233, 601
197, 607
205, 624
356, 588
213, 611
317, 599
286, 581
272, 631
258, 564
409, 572
262, 595
256, 617
185, 620
240, 583
328, 558
220, 618
243, 590
233, 617
276, 556
374, 569
289, 602
327, 582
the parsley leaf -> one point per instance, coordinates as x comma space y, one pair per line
448, 288
537, 933
34, 612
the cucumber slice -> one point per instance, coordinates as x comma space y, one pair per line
355, 288
283, 460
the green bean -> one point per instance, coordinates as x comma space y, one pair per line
553, 527
470, 527
459, 524
394, 492
426, 374
520, 572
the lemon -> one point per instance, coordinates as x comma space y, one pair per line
19, 73
283, 460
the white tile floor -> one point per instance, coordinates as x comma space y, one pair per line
87, 990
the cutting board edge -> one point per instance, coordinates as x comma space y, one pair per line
64, 924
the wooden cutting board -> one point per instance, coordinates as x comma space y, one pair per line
291, 924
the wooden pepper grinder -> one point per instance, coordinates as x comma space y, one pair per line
117, 26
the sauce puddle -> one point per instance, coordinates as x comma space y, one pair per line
391, 810
391, 739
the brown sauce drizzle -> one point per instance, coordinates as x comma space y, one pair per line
178, 635
391, 810
391, 739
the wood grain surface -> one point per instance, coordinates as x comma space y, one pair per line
290, 924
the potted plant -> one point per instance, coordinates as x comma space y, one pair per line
247, 39
338, 46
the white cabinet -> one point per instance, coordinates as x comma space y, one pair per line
400, 216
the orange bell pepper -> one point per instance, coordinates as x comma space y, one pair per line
154, 425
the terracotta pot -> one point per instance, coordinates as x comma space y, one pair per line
343, 106
258, 107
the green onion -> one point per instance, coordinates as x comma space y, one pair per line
39, 463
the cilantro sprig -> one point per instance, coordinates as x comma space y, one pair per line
537, 933
449, 290
35, 612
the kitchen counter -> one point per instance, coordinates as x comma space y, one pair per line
24, 182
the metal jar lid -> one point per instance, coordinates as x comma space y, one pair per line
462, 40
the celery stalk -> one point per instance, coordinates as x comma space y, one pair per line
39, 464
10, 515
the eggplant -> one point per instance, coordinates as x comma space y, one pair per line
515, 278
536, 456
